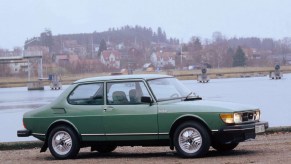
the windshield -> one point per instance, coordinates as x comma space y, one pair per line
168, 88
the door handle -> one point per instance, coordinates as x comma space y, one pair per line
108, 108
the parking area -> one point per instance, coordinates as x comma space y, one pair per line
272, 148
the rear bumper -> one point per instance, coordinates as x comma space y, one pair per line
239, 133
23, 133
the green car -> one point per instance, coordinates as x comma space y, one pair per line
139, 110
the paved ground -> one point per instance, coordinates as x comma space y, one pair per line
273, 148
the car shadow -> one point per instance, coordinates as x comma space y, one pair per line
169, 154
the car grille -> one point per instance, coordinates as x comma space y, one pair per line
248, 116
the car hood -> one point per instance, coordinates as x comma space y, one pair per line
209, 106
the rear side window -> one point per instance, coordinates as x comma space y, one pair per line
87, 94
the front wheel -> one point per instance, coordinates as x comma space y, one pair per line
191, 139
63, 142
224, 147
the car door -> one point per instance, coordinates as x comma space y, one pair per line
86, 110
126, 117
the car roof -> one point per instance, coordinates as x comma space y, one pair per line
122, 77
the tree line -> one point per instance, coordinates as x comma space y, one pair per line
219, 51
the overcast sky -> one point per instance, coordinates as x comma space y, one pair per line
22, 19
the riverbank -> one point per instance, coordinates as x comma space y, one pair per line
234, 72
37, 144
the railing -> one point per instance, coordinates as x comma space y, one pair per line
25, 54
11, 58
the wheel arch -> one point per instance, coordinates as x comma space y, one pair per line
59, 123
186, 118
55, 124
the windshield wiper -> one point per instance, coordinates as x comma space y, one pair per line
188, 98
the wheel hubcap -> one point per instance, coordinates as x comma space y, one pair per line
62, 142
190, 140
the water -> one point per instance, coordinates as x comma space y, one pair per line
271, 96
14, 102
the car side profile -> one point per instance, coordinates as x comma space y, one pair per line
139, 110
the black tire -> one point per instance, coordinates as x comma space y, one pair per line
105, 148
224, 147
201, 138
63, 142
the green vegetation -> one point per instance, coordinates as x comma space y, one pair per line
239, 58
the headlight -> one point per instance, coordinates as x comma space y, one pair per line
258, 115
237, 117
231, 118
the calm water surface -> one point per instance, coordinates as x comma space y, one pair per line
271, 96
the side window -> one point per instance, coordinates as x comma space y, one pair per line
125, 93
87, 94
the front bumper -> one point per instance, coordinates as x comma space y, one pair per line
23, 133
239, 133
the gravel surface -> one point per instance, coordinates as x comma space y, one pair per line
272, 148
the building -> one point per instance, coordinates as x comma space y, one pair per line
19, 67
163, 59
111, 58
66, 59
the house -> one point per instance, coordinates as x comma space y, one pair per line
66, 59
18, 67
163, 59
148, 67
254, 54
111, 58
284, 59
38, 49
72, 46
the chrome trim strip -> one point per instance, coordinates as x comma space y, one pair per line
124, 134
214, 130
237, 129
130, 134
38, 134
92, 134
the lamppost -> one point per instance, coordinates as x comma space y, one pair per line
181, 48
181, 57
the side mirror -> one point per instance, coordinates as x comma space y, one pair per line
146, 99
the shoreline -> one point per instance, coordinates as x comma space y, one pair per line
213, 73
19, 145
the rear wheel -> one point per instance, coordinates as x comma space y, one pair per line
191, 139
224, 147
63, 142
